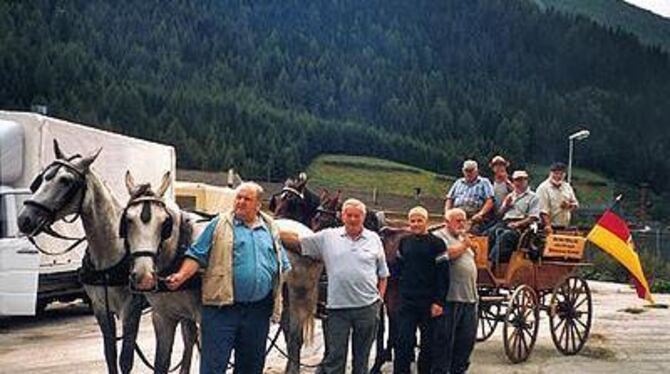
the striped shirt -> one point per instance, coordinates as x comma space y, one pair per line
470, 196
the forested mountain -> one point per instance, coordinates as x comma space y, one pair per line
651, 28
265, 86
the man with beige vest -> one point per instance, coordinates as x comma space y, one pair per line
244, 263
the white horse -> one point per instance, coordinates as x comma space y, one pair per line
157, 234
69, 186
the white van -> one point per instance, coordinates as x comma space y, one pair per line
30, 280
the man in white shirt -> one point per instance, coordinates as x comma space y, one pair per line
557, 199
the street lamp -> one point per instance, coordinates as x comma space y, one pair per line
579, 135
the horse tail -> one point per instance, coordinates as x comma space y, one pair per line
308, 328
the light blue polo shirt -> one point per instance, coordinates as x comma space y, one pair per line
354, 266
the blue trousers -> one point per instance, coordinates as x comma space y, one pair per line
502, 242
241, 326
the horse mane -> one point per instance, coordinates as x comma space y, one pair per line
185, 229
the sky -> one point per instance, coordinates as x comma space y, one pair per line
661, 7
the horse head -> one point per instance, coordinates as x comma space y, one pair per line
295, 201
58, 191
147, 227
328, 213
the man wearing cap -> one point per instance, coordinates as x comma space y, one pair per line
473, 194
557, 199
502, 186
520, 208
423, 271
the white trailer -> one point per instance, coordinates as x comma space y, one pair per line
30, 280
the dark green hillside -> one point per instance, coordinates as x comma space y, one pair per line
267, 86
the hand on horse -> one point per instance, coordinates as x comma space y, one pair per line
175, 280
291, 241
436, 310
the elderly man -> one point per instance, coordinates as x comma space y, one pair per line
244, 264
355, 263
474, 195
520, 209
424, 282
557, 199
456, 328
502, 186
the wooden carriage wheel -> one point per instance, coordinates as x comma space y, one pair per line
570, 314
489, 312
488, 315
521, 324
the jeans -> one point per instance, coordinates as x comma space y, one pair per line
455, 334
359, 323
241, 326
409, 318
503, 242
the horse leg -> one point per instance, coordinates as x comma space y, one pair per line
164, 330
293, 336
131, 325
189, 333
108, 328
381, 353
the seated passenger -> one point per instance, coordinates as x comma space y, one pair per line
520, 208
502, 186
474, 195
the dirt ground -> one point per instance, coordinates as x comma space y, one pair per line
626, 338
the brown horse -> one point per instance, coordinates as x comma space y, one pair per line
295, 201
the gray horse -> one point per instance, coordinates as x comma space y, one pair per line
157, 234
69, 186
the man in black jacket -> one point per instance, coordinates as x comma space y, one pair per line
424, 283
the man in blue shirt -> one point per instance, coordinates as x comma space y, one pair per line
244, 263
474, 195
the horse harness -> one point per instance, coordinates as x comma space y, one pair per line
166, 232
80, 183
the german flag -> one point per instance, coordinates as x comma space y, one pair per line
611, 234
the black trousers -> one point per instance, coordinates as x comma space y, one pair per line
455, 334
411, 317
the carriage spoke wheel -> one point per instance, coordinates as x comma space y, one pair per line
570, 314
521, 324
487, 319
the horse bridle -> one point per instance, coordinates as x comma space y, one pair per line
292, 191
79, 184
145, 216
166, 228
69, 195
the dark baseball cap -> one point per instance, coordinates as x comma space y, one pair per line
556, 166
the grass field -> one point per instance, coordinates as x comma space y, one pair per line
366, 173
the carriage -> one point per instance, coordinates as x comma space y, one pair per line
541, 276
